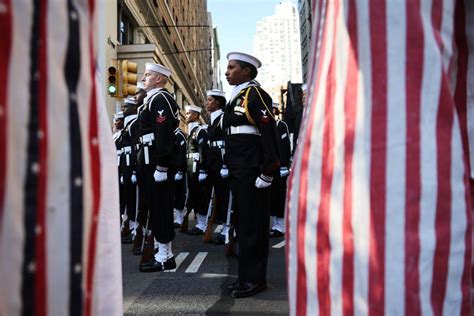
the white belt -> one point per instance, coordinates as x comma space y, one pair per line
147, 139
119, 152
244, 129
195, 156
218, 143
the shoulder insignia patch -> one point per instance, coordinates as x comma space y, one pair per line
161, 118
264, 119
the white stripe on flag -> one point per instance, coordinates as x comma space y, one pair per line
58, 198
396, 155
361, 163
431, 84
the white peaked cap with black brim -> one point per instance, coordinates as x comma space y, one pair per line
158, 68
215, 93
118, 115
245, 57
129, 101
192, 108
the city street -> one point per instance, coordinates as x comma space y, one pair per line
198, 286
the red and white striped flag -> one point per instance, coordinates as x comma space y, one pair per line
378, 205
59, 230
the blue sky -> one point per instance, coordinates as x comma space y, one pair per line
236, 22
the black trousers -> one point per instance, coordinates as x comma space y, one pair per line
159, 198
252, 214
221, 191
142, 196
278, 193
130, 192
199, 194
179, 197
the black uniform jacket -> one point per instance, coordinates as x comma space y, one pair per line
159, 115
198, 144
251, 106
216, 143
284, 147
180, 143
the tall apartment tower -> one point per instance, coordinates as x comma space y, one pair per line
304, 7
277, 45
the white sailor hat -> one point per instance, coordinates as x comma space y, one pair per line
118, 115
275, 105
245, 57
129, 101
216, 93
158, 68
194, 108
140, 86
304, 87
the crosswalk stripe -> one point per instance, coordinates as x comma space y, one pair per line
279, 245
194, 266
179, 259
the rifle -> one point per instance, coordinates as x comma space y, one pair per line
125, 232
184, 224
211, 214
229, 236
137, 242
148, 243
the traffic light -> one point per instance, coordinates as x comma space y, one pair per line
112, 81
129, 78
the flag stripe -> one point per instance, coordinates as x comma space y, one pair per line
378, 41
5, 51
71, 75
93, 144
34, 265
350, 120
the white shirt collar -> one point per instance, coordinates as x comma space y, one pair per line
191, 126
150, 93
237, 89
214, 115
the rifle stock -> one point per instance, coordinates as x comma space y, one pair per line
137, 242
210, 219
149, 249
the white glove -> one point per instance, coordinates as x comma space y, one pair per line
160, 174
133, 178
263, 181
178, 176
284, 172
202, 176
121, 179
224, 172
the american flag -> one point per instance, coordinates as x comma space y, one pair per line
379, 215
59, 229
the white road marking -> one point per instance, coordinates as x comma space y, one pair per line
179, 259
279, 245
194, 266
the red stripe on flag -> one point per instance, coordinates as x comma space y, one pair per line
40, 249
444, 134
378, 51
5, 51
95, 167
414, 78
350, 122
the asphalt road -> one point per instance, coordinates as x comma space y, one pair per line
198, 286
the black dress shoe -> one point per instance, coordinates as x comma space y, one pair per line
195, 231
233, 286
155, 266
275, 233
218, 240
248, 289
